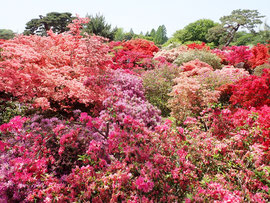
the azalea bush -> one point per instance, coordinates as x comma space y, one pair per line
252, 91
118, 163
50, 71
190, 95
238, 54
133, 54
260, 55
128, 99
170, 54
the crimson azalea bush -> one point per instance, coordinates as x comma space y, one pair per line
252, 91
133, 54
238, 54
201, 46
260, 55
50, 71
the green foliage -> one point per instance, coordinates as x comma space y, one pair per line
248, 19
259, 69
195, 31
6, 34
56, 21
10, 109
158, 84
204, 56
244, 38
119, 34
98, 26
160, 36
216, 35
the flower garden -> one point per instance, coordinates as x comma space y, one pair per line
87, 120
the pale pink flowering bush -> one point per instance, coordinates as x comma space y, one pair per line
171, 54
189, 95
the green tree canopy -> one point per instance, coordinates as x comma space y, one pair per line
195, 31
248, 19
6, 34
56, 21
98, 26
160, 35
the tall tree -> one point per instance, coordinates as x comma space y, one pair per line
6, 34
98, 26
161, 35
153, 33
248, 19
119, 34
56, 21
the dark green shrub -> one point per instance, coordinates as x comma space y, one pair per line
158, 84
204, 56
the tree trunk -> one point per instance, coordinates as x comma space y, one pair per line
232, 35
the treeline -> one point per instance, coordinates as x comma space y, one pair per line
238, 28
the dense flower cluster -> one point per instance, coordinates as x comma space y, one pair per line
133, 54
51, 70
260, 55
214, 147
189, 95
202, 46
252, 91
127, 99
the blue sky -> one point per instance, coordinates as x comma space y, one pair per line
140, 15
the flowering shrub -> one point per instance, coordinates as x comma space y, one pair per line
189, 95
127, 98
131, 163
260, 55
226, 75
51, 70
201, 46
252, 91
171, 54
195, 67
238, 54
133, 54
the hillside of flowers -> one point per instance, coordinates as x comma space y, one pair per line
83, 119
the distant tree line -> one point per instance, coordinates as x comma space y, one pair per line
238, 28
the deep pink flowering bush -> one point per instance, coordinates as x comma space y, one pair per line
238, 54
84, 161
234, 163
